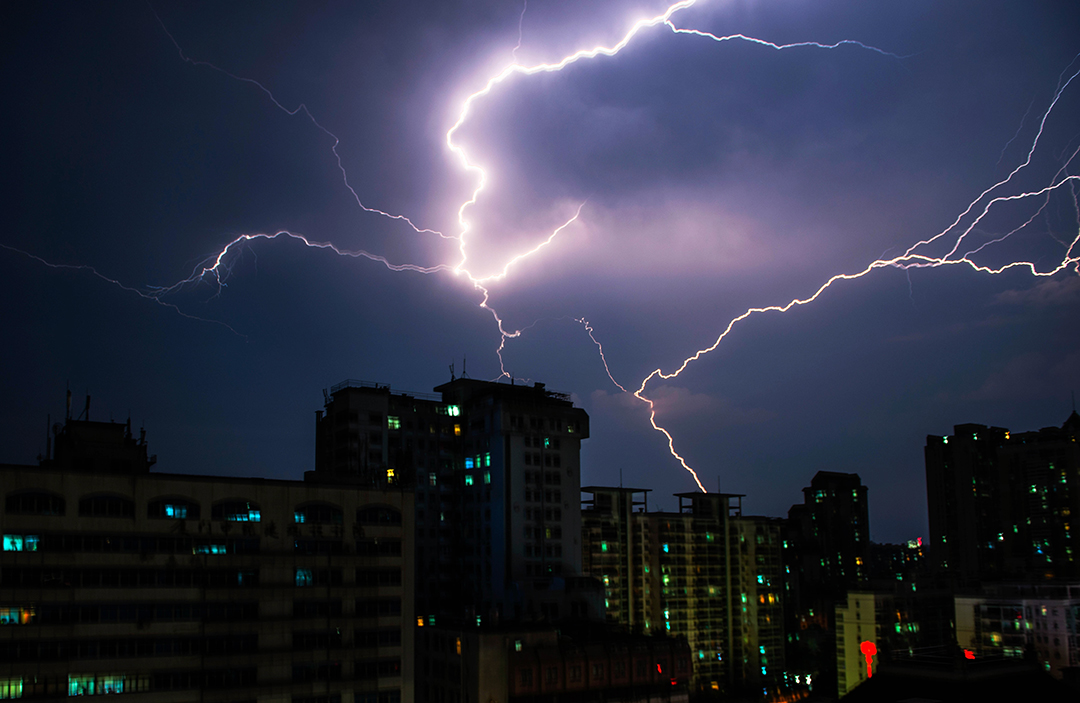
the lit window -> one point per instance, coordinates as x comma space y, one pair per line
487, 477
487, 459
11, 688
469, 463
453, 410
468, 479
666, 549
96, 684
547, 443
237, 511
16, 616
517, 645
432, 480
457, 430
21, 543
209, 549
390, 476
393, 423
175, 511
603, 546
304, 577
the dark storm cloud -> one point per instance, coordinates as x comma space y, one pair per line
714, 177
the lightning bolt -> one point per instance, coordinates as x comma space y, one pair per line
217, 268
910, 259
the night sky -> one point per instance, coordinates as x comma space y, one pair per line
711, 178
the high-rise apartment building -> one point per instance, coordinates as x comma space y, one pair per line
175, 587
826, 553
1003, 505
497, 474
705, 572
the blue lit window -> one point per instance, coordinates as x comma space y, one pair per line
469, 462
210, 549
237, 511
304, 577
21, 543
666, 549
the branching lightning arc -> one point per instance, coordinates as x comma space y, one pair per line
216, 269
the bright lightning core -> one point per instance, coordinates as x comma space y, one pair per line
966, 241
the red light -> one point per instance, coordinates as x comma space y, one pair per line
659, 670
869, 649
968, 654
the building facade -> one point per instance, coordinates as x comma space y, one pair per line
517, 664
1011, 620
705, 572
496, 470
166, 587
1001, 504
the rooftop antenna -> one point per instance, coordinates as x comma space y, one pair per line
452, 371
464, 359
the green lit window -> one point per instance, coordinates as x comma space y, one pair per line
453, 410
11, 688
487, 477
603, 546
393, 423
96, 684
487, 459
547, 442
468, 479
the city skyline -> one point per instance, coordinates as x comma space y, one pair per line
707, 178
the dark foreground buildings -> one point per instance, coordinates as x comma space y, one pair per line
1003, 505
169, 587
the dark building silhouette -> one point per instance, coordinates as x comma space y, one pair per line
497, 473
1004, 505
826, 553
179, 587
954, 679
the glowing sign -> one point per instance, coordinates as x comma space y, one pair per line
869, 649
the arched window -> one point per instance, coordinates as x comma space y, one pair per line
378, 515
106, 506
236, 510
173, 509
34, 503
318, 514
